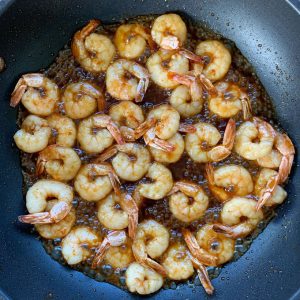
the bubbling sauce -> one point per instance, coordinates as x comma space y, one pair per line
65, 70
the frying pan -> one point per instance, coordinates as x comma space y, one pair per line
267, 32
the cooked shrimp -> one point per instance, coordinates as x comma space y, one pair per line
97, 133
239, 218
93, 51
215, 243
77, 245
277, 196
38, 94
142, 280
131, 162
229, 101
180, 204
120, 256
95, 181
64, 130
228, 181
219, 59
82, 99
33, 135
152, 239
246, 136
113, 239
286, 148
127, 113
61, 163
131, 40
201, 146
281, 157
118, 212
163, 61
199, 258
169, 31
161, 185
169, 157
36, 202
59, 229
177, 263
186, 101
123, 87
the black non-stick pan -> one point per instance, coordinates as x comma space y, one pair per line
268, 34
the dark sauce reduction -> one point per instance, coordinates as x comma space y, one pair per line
65, 70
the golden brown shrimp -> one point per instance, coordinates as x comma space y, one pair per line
81, 99
131, 40
239, 218
122, 87
246, 136
61, 163
64, 130
152, 239
97, 133
34, 134
36, 202
142, 280
202, 145
219, 59
180, 203
93, 51
169, 31
38, 94
228, 181
216, 244
95, 181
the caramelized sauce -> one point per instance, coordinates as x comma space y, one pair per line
65, 70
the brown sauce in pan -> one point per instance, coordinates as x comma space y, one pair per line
65, 70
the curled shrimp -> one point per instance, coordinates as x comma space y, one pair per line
81, 99
202, 145
286, 148
161, 62
199, 258
122, 87
239, 218
142, 280
95, 181
131, 161
219, 59
254, 139
34, 134
217, 244
169, 31
97, 133
262, 187
36, 202
61, 163
38, 94
114, 218
78, 244
177, 262
167, 157
161, 185
228, 181
113, 239
180, 201
63, 129
151, 239
93, 51
229, 101
131, 40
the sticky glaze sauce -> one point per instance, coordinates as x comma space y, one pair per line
65, 70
